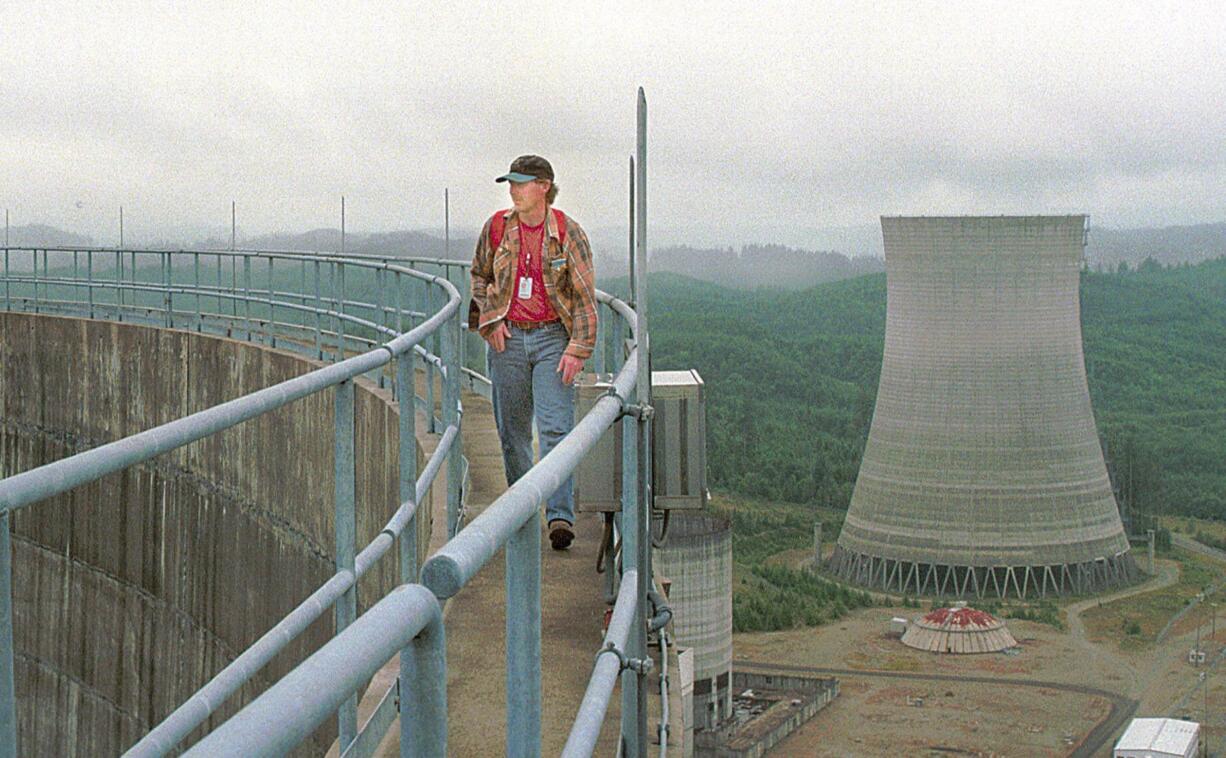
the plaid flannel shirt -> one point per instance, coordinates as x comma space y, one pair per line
570, 280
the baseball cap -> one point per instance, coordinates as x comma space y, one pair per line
526, 168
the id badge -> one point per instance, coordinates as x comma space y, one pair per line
525, 288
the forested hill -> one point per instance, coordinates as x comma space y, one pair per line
792, 380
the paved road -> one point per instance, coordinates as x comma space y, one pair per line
1122, 708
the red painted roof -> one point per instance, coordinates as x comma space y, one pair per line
961, 617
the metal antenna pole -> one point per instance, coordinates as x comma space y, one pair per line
121, 226
446, 224
632, 282
233, 225
342, 224
642, 521
6, 227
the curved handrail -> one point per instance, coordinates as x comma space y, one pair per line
445, 572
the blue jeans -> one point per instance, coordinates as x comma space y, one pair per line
526, 383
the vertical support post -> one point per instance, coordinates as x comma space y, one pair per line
346, 606
1150, 533
630, 537
338, 285
423, 693
166, 284
408, 466
233, 226
523, 588
247, 293
8, 693
76, 274
89, 277
272, 308
431, 341
642, 558
7, 295
319, 350
119, 285
630, 512
381, 314
199, 312
451, 417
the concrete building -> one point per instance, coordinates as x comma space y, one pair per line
958, 630
1159, 738
983, 473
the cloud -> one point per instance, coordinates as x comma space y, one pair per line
784, 113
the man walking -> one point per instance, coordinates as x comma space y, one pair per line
534, 295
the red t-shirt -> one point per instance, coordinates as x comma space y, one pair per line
536, 307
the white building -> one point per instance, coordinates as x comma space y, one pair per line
1159, 738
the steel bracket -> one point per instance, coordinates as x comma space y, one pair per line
637, 665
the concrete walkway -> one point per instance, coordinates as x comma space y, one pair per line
572, 613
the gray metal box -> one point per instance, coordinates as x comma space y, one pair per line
678, 440
679, 445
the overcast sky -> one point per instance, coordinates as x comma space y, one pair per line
762, 115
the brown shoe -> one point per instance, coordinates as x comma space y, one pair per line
560, 534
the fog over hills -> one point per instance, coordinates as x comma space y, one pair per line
790, 259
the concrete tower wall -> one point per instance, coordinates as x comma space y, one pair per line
697, 558
134, 590
983, 452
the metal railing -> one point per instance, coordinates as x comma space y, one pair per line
373, 317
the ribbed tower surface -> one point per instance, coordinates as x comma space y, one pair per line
983, 472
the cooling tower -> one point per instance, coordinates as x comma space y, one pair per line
983, 473
697, 558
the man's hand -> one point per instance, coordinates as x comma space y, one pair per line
498, 337
569, 367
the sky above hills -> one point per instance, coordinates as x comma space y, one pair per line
765, 118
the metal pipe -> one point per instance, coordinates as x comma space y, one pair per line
287, 713
405, 392
456, 562
642, 522
523, 625
586, 728
345, 527
165, 736
60, 476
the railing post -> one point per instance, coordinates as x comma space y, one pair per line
319, 350
272, 307
408, 465
199, 310
8, 694
423, 693
639, 524
338, 289
247, 295
118, 286
346, 606
451, 417
168, 299
432, 341
523, 590
630, 538
34, 273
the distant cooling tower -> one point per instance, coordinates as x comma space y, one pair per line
983, 473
